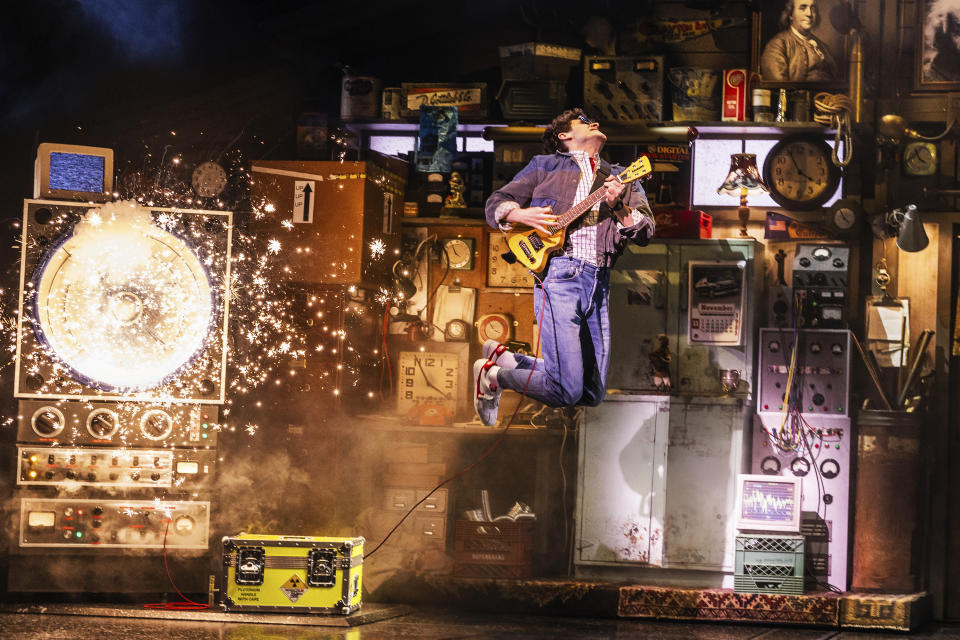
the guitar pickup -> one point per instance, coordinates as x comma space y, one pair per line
535, 241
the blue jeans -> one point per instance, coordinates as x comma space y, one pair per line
574, 337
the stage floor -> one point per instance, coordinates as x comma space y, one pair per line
416, 622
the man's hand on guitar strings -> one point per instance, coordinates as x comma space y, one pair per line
536, 217
614, 188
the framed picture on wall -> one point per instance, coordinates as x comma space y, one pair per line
801, 43
938, 44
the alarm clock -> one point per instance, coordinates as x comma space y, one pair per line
457, 253
920, 158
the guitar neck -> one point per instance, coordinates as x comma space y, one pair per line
577, 210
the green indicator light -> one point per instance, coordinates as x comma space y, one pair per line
840, 409
810, 408
838, 446
204, 425
79, 534
203, 435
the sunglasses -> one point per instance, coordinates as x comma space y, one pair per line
585, 119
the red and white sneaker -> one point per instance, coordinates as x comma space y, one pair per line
497, 354
486, 396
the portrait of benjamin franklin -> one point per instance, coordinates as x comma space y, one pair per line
796, 53
940, 60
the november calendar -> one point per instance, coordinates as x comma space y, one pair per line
716, 302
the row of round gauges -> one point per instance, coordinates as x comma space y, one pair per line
102, 423
800, 467
836, 348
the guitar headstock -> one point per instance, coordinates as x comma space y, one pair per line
639, 168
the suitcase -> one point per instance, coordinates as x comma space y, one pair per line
292, 574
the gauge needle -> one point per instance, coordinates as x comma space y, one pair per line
427, 378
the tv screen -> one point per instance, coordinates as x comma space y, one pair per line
77, 172
768, 503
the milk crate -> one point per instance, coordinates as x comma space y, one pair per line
501, 549
769, 563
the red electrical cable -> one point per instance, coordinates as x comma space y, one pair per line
186, 604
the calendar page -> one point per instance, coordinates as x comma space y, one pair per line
716, 302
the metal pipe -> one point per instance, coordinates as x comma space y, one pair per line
873, 373
922, 343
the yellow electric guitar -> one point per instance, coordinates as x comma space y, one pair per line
532, 249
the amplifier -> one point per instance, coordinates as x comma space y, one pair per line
623, 89
820, 284
769, 563
130, 468
133, 424
129, 524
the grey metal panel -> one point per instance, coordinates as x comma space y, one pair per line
697, 365
705, 455
621, 489
639, 291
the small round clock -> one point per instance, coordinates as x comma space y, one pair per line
209, 179
457, 253
844, 216
494, 326
800, 173
920, 158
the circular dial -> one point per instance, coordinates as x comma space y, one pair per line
770, 466
456, 330
103, 423
156, 424
47, 422
121, 302
494, 326
821, 253
829, 468
429, 379
209, 179
920, 158
844, 218
184, 525
457, 253
800, 467
800, 173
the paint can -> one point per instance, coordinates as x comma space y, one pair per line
359, 97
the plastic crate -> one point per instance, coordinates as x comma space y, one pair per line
768, 563
501, 549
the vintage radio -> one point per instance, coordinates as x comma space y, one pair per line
341, 217
623, 89
292, 573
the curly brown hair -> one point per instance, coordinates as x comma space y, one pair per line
560, 124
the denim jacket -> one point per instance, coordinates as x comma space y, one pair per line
551, 180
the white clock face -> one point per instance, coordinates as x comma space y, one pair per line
209, 179
495, 326
499, 272
123, 303
844, 218
458, 253
427, 378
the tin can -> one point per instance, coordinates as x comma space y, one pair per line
359, 97
800, 105
762, 111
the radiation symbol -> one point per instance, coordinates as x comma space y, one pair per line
294, 588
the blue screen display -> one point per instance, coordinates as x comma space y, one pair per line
76, 172
767, 501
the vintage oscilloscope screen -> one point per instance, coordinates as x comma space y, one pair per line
768, 503
76, 172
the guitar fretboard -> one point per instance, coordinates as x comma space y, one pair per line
577, 210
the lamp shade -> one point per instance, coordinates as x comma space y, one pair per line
743, 175
912, 236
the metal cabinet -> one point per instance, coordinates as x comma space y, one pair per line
623, 471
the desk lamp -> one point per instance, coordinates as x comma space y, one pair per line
744, 178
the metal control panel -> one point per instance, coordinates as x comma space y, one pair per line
820, 457
72, 423
130, 468
821, 373
131, 524
820, 284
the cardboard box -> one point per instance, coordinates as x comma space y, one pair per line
292, 574
336, 210
737, 86
683, 223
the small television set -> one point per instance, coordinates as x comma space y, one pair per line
768, 503
73, 172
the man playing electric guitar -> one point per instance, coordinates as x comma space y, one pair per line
570, 301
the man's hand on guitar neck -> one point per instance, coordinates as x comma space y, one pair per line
536, 217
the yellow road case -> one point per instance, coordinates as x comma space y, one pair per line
292, 573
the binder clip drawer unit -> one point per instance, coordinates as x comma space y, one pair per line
304, 574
